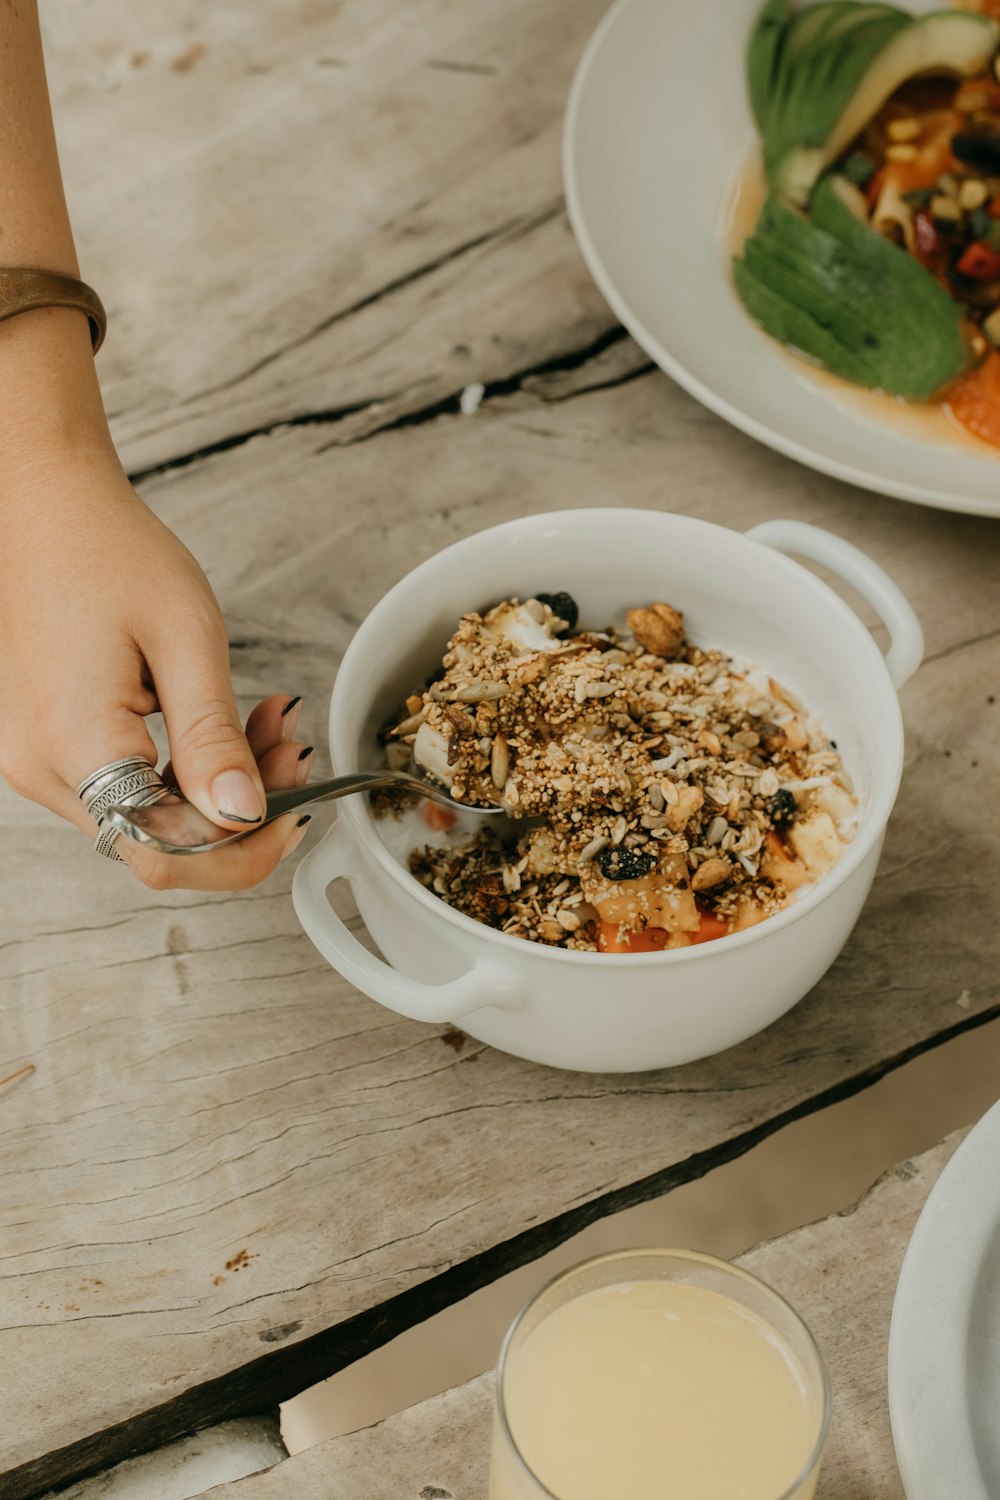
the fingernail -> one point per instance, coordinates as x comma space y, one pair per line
296, 836
289, 718
302, 772
237, 798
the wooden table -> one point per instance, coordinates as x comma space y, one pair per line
841, 1274
314, 224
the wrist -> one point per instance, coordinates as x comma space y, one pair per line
50, 399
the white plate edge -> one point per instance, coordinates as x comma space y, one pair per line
957, 1190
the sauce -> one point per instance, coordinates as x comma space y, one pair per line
656, 1388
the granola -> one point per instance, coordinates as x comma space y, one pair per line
660, 792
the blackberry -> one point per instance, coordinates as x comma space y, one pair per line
563, 605
617, 863
782, 807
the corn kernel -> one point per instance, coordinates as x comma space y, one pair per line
972, 194
900, 153
906, 129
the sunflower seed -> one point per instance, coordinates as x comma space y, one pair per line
499, 762
594, 847
481, 692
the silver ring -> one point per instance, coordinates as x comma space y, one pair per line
131, 782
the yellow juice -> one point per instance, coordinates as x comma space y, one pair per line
656, 1390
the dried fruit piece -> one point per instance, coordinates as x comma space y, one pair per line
563, 605
782, 807
616, 863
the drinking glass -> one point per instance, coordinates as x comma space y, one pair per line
586, 1442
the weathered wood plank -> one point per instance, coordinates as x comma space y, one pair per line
317, 206
206, 1086
841, 1275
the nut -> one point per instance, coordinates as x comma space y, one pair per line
659, 629
690, 799
713, 872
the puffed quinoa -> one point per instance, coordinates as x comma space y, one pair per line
649, 782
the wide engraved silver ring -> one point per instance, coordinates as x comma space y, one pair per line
131, 782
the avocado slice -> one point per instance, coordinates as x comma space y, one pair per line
791, 325
838, 292
817, 76
816, 91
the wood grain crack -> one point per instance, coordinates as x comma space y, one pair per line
573, 359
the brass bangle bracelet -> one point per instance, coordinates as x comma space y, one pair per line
21, 290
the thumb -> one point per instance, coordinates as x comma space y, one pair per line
212, 761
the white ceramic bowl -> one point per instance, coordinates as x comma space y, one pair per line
604, 1012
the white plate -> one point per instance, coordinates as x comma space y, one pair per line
944, 1341
657, 125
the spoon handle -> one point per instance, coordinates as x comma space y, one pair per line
287, 800
174, 826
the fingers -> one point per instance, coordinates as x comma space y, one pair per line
210, 755
272, 722
237, 867
280, 762
245, 864
286, 765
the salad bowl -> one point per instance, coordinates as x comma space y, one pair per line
659, 155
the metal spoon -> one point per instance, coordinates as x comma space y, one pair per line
174, 826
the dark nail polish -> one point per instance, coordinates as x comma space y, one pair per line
290, 705
305, 754
235, 818
305, 818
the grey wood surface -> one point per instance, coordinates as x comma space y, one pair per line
839, 1273
230, 1174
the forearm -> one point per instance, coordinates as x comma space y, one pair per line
49, 395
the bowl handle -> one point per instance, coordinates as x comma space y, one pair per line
906, 648
487, 983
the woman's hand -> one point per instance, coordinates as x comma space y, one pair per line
105, 617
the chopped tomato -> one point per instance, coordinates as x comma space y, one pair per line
655, 939
711, 927
650, 941
928, 246
974, 399
979, 262
438, 817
